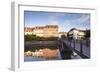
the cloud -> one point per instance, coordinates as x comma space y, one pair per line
29, 25
81, 20
55, 16
54, 22
84, 18
67, 22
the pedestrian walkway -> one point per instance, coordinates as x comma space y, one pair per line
82, 50
75, 56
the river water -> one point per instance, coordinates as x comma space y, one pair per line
40, 44
30, 58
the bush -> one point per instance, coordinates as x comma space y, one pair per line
37, 38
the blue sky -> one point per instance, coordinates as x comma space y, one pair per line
65, 21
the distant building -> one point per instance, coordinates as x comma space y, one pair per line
38, 31
28, 30
43, 31
51, 31
76, 33
62, 34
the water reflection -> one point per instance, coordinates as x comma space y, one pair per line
42, 54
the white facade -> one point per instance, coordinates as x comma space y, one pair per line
38, 32
77, 34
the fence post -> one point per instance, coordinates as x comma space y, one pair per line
62, 44
81, 51
87, 42
70, 42
74, 43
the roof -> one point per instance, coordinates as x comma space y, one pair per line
81, 30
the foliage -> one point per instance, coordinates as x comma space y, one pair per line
37, 38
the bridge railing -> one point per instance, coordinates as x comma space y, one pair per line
82, 46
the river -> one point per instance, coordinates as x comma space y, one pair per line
31, 59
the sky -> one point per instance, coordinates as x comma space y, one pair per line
64, 20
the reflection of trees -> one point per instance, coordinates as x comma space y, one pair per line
38, 38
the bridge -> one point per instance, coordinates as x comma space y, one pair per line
74, 49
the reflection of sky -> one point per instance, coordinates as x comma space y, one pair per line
65, 21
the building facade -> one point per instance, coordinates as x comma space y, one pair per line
28, 30
51, 31
43, 31
38, 31
62, 34
76, 33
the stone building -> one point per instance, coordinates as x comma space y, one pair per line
42, 31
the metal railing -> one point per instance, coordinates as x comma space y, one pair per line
81, 46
